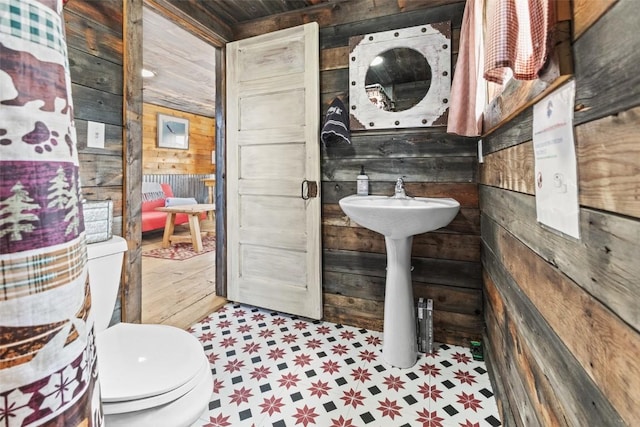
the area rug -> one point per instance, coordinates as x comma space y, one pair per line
182, 251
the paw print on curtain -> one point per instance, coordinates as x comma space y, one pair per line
48, 369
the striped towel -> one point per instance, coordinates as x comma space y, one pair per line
336, 124
152, 191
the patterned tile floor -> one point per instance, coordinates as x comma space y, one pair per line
272, 369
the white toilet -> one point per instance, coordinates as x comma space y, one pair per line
150, 375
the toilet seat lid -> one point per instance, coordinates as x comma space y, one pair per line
138, 361
136, 405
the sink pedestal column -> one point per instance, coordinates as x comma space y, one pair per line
399, 346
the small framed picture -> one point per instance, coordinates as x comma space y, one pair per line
173, 132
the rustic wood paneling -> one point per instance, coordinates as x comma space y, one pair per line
106, 13
334, 59
455, 328
447, 298
511, 168
88, 33
605, 254
347, 310
465, 193
367, 22
564, 312
461, 247
92, 164
421, 169
195, 160
96, 105
96, 55
608, 355
353, 285
511, 133
94, 40
98, 171
609, 163
409, 143
495, 354
335, 80
521, 409
586, 12
463, 274
221, 188
577, 401
537, 407
583, 401
603, 88
433, 164
330, 14
131, 291
451, 299
492, 359
407, 5
609, 167
517, 97
92, 71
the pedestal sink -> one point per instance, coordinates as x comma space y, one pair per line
399, 219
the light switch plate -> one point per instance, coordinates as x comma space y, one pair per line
480, 157
95, 134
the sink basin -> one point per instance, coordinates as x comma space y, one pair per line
397, 218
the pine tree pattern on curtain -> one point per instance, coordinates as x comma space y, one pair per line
48, 371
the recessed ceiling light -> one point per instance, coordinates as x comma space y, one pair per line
147, 73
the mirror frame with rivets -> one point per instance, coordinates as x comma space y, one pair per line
433, 41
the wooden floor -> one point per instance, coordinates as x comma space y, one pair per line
177, 293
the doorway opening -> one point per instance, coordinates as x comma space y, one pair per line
178, 284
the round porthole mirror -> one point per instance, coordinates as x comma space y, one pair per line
398, 79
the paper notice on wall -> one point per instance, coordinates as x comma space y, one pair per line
555, 162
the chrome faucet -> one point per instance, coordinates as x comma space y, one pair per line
400, 193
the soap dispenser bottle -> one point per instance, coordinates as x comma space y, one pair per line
362, 183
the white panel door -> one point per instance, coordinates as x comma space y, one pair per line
273, 232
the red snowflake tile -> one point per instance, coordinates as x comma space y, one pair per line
272, 368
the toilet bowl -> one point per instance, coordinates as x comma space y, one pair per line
150, 375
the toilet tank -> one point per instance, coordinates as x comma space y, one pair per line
105, 269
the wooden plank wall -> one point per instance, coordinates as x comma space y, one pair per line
167, 161
447, 262
94, 39
131, 289
95, 47
562, 316
183, 169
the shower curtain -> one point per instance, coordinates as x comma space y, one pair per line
48, 371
